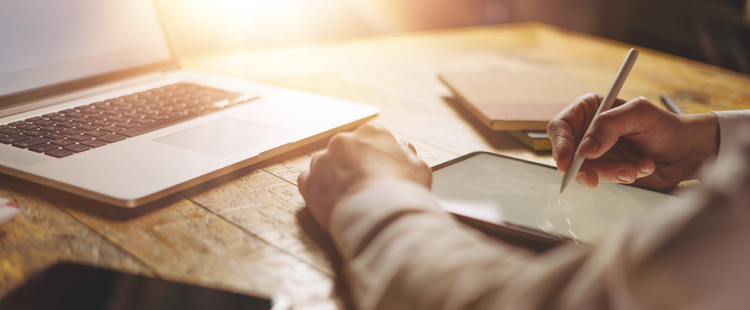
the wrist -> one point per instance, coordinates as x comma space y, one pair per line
701, 137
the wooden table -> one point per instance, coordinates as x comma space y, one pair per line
249, 231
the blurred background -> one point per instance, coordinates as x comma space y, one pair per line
711, 31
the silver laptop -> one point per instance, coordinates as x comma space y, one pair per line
93, 101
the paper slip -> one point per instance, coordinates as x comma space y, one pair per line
8, 210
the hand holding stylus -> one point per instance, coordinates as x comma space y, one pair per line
634, 142
604, 105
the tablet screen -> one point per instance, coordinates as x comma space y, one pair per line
506, 191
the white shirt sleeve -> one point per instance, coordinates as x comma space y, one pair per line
730, 124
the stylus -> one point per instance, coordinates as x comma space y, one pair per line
609, 99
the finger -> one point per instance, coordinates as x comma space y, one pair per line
340, 142
614, 172
587, 176
302, 182
567, 126
563, 141
315, 159
630, 118
408, 148
375, 133
646, 167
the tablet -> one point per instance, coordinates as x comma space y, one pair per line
523, 198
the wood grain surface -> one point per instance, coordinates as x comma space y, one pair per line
250, 232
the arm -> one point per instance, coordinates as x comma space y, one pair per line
402, 252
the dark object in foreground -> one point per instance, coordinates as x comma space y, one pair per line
71, 286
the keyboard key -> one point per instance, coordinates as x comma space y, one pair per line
90, 111
119, 119
111, 128
44, 123
53, 128
27, 127
18, 123
41, 148
79, 138
60, 118
11, 131
120, 104
48, 115
126, 125
141, 120
103, 123
133, 115
154, 125
67, 125
111, 138
87, 127
59, 153
13, 138
198, 112
95, 133
76, 148
97, 116
35, 133
93, 143
71, 131
112, 113
75, 114
25, 143
68, 112
82, 120
34, 119
55, 135
63, 142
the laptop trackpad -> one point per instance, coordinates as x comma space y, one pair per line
226, 137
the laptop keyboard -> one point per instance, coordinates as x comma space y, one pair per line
71, 131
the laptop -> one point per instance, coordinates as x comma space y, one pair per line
93, 101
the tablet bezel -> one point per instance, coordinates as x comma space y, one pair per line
512, 233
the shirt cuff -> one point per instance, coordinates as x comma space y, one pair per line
357, 218
731, 124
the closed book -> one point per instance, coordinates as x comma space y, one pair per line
515, 98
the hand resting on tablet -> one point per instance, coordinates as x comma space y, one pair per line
355, 160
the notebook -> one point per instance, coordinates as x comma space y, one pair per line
515, 99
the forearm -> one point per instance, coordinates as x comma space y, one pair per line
416, 256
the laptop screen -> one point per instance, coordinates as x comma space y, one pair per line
47, 42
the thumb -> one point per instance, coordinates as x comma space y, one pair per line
408, 148
633, 117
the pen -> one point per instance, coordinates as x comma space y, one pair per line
609, 99
671, 104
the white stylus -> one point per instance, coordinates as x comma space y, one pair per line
609, 99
